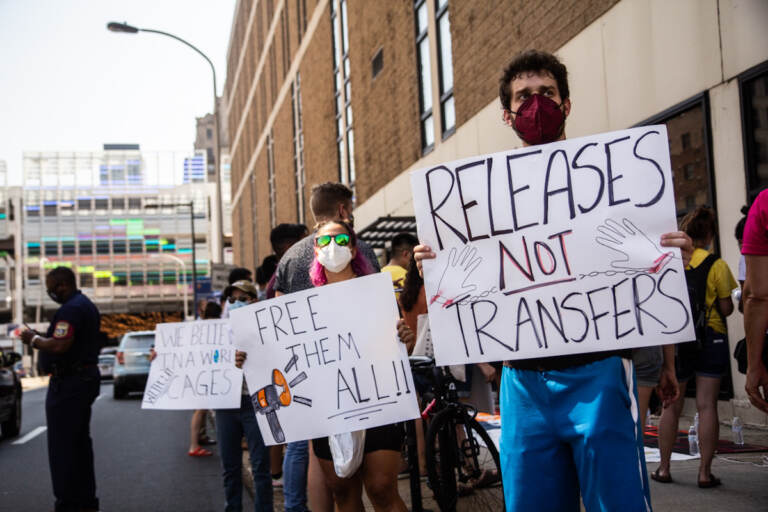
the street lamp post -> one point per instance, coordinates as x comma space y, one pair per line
114, 26
191, 206
183, 272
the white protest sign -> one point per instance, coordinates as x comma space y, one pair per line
194, 367
553, 249
326, 360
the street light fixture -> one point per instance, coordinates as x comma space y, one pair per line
125, 28
191, 206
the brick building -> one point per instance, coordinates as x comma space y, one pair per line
364, 91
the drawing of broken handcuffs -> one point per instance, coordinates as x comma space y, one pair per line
613, 235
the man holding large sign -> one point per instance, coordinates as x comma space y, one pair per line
552, 258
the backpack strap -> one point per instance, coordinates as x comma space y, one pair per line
704, 268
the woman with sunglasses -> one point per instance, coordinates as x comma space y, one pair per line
337, 259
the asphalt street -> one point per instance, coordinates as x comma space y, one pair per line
141, 460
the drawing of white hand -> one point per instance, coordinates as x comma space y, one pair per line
458, 268
624, 238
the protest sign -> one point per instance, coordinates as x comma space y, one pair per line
194, 367
326, 360
553, 249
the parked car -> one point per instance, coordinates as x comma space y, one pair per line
10, 395
132, 362
107, 366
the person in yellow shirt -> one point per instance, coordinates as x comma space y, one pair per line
400, 258
708, 358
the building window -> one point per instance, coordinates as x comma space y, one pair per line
271, 180
86, 279
687, 132
33, 248
208, 133
754, 97
377, 64
118, 246
286, 40
85, 247
298, 148
425, 76
254, 219
136, 245
51, 248
301, 17
345, 135
102, 246
68, 248
445, 64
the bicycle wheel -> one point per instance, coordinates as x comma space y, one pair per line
462, 460
441, 452
479, 466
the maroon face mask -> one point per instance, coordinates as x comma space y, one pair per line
539, 120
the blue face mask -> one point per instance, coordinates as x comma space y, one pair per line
237, 304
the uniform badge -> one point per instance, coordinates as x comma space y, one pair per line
62, 330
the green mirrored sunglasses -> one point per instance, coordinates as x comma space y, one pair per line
342, 239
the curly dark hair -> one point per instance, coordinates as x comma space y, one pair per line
411, 286
700, 223
535, 61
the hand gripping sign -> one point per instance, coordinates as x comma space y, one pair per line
326, 360
553, 249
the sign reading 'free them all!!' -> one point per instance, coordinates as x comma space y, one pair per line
325, 360
553, 249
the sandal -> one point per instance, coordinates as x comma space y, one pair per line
664, 479
200, 452
487, 478
712, 482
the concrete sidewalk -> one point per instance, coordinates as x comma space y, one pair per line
744, 477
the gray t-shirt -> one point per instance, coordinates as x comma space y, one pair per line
293, 269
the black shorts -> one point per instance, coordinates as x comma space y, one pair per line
709, 359
386, 437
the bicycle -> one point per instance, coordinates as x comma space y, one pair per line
461, 458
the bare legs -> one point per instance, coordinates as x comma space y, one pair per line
707, 389
319, 497
379, 476
195, 424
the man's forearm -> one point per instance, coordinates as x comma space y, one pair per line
51, 345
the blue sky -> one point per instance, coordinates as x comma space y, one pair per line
66, 83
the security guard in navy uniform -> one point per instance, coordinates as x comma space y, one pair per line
69, 353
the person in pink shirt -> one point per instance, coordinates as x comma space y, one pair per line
755, 250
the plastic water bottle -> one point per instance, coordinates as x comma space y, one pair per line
738, 431
693, 440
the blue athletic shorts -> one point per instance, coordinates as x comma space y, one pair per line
569, 432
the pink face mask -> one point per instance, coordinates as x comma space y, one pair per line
539, 120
